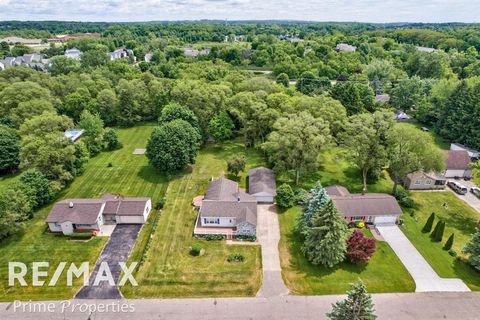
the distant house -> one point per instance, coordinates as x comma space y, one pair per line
74, 215
148, 57
457, 164
375, 208
35, 61
193, 53
474, 154
382, 98
345, 47
121, 53
73, 53
426, 49
261, 185
401, 116
420, 180
227, 210
74, 134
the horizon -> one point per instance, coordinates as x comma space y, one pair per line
361, 11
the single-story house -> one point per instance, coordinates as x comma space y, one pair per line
121, 53
73, 134
227, 210
73, 53
474, 154
382, 98
261, 185
420, 180
375, 208
426, 49
148, 57
71, 215
457, 164
345, 47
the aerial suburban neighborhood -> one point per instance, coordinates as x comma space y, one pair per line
245, 169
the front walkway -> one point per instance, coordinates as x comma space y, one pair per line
426, 279
268, 235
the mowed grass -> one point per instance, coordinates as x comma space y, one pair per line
169, 270
130, 175
460, 219
383, 273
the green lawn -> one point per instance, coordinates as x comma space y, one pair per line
460, 219
439, 141
169, 270
383, 273
130, 175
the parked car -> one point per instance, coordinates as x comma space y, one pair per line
475, 191
457, 187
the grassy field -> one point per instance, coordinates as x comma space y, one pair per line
383, 273
130, 175
169, 270
439, 141
460, 219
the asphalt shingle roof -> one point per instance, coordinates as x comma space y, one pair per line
261, 180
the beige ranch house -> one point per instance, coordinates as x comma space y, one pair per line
374, 208
79, 215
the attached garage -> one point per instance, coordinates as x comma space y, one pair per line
385, 220
133, 211
130, 220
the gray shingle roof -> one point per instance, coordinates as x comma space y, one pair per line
457, 160
86, 211
225, 199
261, 180
370, 204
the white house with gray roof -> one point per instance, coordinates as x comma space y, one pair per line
227, 210
73, 215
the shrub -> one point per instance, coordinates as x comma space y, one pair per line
109, 165
195, 250
360, 248
452, 252
448, 245
301, 197
213, 237
285, 197
160, 204
235, 257
235, 164
435, 230
439, 234
407, 202
360, 224
81, 236
400, 194
246, 238
429, 224
110, 139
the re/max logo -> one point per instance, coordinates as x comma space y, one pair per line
18, 270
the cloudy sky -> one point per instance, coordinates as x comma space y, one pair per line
314, 10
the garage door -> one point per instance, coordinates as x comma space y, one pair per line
264, 199
385, 220
130, 219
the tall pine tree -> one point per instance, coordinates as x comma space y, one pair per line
318, 198
325, 237
357, 306
473, 250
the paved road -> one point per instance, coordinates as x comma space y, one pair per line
407, 306
469, 198
426, 279
117, 249
268, 234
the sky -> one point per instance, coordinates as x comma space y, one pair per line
318, 10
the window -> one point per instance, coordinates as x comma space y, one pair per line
211, 221
358, 218
428, 181
417, 182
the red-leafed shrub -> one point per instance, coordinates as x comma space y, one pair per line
360, 248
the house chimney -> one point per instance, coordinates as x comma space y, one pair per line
70, 205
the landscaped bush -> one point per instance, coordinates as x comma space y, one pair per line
407, 202
429, 224
285, 197
437, 233
448, 245
246, 238
360, 224
452, 252
360, 248
235, 257
195, 250
213, 237
81, 236
301, 197
160, 204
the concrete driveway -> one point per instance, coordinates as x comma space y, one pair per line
117, 250
469, 198
426, 279
268, 235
